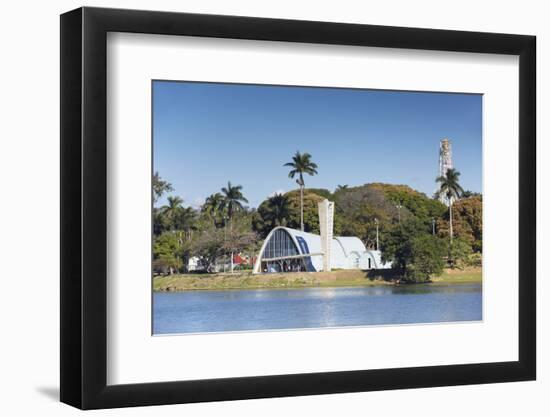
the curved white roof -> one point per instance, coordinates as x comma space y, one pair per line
346, 243
342, 247
351, 244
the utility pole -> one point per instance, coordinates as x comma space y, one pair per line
376, 223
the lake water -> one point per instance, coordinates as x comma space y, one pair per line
219, 311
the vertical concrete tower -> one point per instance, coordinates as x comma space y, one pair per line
326, 223
445, 161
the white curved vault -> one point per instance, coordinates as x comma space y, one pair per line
289, 250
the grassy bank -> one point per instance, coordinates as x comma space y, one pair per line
341, 278
456, 276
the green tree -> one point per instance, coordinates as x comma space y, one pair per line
399, 246
184, 219
427, 253
171, 210
273, 212
174, 217
469, 217
459, 253
321, 192
213, 207
232, 203
304, 208
213, 243
414, 253
167, 252
467, 222
240, 238
301, 164
160, 222
208, 245
450, 189
358, 207
413, 202
213, 203
160, 187
468, 194
396, 244
278, 209
232, 199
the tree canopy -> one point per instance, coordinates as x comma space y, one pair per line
449, 187
160, 187
467, 222
301, 164
405, 217
232, 199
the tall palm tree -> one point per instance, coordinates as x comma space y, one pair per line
278, 207
301, 164
231, 203
232, 199
450, 189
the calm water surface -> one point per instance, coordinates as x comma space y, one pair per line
218, 311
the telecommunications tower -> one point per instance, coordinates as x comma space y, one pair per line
445, 160
445, 156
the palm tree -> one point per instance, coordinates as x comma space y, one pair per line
184, 219
301, 164
232, 199
232, 202
450, 189
172, 209
160, 187
278, 207
341, 187
213, 203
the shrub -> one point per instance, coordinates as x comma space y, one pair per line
475, 259
459, 253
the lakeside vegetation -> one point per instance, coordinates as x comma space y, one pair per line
418, 234
340, 278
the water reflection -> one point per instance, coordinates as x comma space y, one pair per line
216, 311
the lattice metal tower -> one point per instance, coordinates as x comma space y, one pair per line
445, 161
445, 156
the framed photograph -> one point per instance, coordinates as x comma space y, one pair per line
257, 208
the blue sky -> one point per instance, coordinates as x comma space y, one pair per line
205, 134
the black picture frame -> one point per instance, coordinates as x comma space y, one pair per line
84, 207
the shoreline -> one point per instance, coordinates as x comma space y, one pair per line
298, 280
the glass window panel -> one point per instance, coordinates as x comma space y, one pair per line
280, 245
